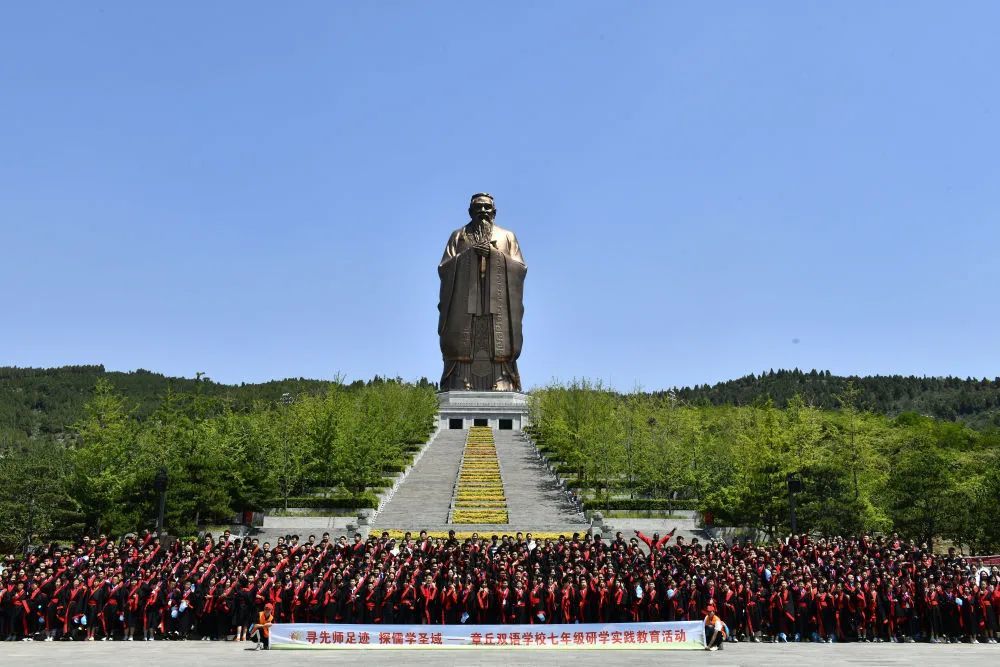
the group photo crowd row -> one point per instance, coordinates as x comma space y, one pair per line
867, 589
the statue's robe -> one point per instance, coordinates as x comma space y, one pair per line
480, 312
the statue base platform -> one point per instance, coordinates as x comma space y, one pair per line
502, 410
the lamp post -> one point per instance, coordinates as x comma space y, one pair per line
285, 400
160, 486
29, 528
794, 486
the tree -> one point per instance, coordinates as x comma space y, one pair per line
918, 487
984, 504
827, 504
245, 444
324, 431
852, 442
36, 503
286, 449
104, 457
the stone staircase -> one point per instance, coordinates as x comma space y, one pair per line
535, 500
424, 497
534, 497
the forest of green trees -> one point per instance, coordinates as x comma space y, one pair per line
336, 444
972, 401
860, 470
79, 447
41, 402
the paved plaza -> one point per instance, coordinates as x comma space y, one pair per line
186, 654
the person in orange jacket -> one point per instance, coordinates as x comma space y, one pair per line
265, 620
715, 630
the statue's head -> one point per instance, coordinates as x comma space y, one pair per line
481, 207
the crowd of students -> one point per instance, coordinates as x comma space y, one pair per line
880, 589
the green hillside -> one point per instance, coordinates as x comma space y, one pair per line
971, 401
41, 402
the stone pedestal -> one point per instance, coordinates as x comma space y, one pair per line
498, 409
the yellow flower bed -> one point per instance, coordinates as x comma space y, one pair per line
479, 516
479, 495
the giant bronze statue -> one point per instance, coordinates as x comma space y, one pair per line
482, 283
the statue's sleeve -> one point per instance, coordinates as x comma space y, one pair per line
515, 249
515, 270
450, 250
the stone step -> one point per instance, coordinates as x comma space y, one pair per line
534, 497
312, 523
488, 529
425, 495
535, 501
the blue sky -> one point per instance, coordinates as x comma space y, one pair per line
701, 190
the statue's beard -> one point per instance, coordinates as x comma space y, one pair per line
483, 229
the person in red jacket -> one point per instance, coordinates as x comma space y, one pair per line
408, 603
655, 543
567, 603
450, 610
482, 604
429, 603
